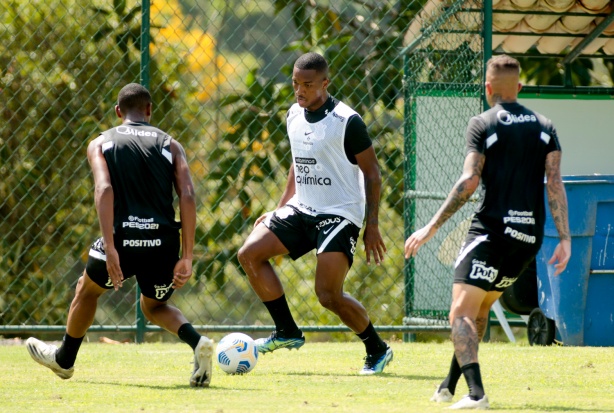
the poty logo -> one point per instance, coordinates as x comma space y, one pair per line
507, 118
126, 130
162, 290
480, 271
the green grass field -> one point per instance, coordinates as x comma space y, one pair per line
320, 377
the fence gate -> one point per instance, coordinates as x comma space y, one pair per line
443, 75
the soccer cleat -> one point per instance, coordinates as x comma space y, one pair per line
273, 342
44, 354
442, 396
468, 403
375, 363
203, 354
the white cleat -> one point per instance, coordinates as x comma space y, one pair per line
44, 354
442, 396
468, 403
203, 354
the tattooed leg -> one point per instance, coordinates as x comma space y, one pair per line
465, 340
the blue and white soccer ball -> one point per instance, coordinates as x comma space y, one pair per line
236, 353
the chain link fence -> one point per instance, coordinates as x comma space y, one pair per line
444, 70
219, 72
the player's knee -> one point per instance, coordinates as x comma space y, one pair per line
146, 307
247, 255
458, 315
328, 299
86, 289
463, 323
243, 255
80, 283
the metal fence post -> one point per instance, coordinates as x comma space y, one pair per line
409, 164
145, 39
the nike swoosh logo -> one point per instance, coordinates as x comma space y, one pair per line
307, 133
327, 231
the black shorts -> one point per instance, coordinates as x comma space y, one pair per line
301, 233
490, 262
151, 261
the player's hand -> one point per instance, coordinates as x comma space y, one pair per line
374, 244
262, 218
561, 256
182, 272
113, 267
417, 239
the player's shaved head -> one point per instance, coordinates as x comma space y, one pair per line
312, 61
503, 64
133, 97
502, 79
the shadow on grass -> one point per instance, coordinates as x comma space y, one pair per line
388, 375
536, 407
213, 387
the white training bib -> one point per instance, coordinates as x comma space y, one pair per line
326, 181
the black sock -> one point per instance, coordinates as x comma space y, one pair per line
67, 353
453, 376
282, 317
188, 335
472, 374
372, 341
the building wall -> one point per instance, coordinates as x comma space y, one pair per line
586, 132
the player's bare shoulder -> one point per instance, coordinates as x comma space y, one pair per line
95, 146
177, 151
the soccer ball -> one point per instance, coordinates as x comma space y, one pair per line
236, 353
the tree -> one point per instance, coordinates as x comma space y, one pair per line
51, 107
361, 45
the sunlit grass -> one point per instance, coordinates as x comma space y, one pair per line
320, 377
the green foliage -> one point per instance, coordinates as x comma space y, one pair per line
121, 25
59, 83
44, 198
550, 72
366, 74
62, 64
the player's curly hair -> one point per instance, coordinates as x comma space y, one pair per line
133, 97
312, 61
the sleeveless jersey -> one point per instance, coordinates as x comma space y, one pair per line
139, 159
326, 181
515, 141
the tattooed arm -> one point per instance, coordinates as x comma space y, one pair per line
557, 199
461, 192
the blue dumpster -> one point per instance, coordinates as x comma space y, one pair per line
581, 299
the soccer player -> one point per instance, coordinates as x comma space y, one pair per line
135, 167
333, 174
509, 148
